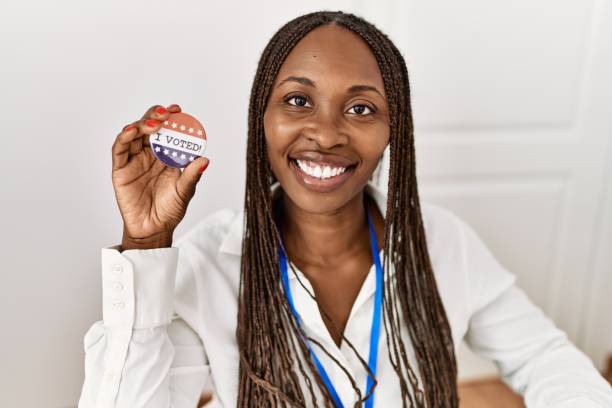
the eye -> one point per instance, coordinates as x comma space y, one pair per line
359, 109
300, 100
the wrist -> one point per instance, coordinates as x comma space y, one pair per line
161, 240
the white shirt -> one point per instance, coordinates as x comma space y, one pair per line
170, 314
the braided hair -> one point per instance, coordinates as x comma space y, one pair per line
275, 366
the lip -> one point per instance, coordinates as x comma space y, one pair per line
320, 185
331, 160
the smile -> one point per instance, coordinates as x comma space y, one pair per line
319, 171
320, 177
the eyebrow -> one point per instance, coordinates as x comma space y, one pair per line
307, 82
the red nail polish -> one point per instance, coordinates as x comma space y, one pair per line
128, 128
151, 122
203, 167
160, 110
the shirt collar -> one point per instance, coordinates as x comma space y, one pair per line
232, 242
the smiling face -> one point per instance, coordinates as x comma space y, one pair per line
326, 121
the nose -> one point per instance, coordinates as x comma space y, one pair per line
324, 128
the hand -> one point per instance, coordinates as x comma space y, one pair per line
152, 197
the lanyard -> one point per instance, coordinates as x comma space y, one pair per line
374, 332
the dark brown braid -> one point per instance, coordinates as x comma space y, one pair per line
270, 341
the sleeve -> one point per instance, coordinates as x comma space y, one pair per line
142, 354
534, 357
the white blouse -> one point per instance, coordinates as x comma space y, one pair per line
169, 321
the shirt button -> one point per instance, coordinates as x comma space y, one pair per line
117, 269
119, 305
117, 286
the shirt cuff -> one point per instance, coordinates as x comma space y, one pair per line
138, 286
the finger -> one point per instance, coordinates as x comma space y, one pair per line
121, 146
148, 126
156, 112
174, 108
145, 127
186, 184
160, 113
136, 145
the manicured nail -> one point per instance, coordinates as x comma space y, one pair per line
151, 122
160, 110
172, 106
127, 128
203, 167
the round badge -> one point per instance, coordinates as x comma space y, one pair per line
179, 141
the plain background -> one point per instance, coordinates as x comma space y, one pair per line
513, 123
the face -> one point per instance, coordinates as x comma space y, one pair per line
326, 121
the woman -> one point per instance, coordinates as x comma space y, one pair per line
324, 291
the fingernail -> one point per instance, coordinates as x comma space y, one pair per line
127, 128
172, 106
160, 110
151, 122
203, 167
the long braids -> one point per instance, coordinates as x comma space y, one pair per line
270, 342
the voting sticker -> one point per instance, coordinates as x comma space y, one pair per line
179, 141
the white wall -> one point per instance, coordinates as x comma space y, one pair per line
73, 73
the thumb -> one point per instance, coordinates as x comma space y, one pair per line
190, 176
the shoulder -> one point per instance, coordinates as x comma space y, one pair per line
436, 217
445, 242
445, 246
444, 227
443, 230
485, 276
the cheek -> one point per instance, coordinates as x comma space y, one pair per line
279, 133
373, 146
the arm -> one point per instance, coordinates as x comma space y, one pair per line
142, 354
534, 357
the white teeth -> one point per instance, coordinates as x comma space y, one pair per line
318, 172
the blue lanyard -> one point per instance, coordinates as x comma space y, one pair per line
375, 330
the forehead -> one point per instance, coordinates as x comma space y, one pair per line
333, 54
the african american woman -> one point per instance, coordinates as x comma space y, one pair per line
326, 290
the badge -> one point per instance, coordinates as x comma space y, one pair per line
179, 141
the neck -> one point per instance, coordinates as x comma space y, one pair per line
325, 238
